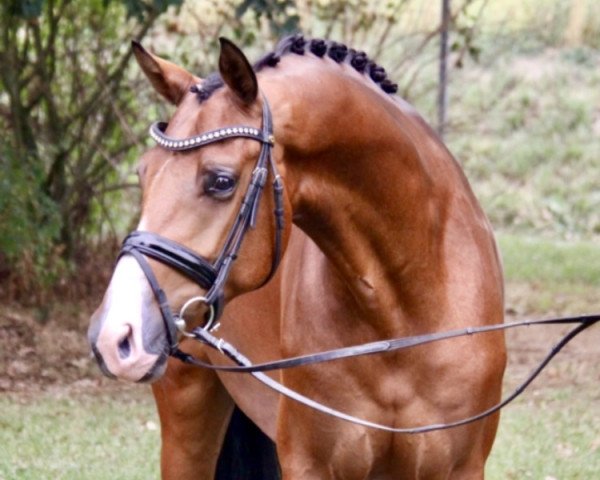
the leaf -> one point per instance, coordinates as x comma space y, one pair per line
140, 8
242, 8
27, 9
135, 8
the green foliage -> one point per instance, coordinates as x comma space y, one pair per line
29, 220
29, 226
281, 15
142, 9
66, 117
25, 8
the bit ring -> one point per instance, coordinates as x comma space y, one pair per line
180, 322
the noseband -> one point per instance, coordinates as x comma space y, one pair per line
211, 276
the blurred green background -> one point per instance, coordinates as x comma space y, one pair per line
523, 120
523, 114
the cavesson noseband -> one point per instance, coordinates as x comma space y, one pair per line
210, 275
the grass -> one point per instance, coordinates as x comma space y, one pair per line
550, 433
553, 438
526, 130
549, 277
105, 437
80, 436
536, 260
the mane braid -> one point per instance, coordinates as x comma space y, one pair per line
298, 45
318, 47
337, 52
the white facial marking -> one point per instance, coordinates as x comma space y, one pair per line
127, 293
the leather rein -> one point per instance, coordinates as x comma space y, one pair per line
212, 277
244, 365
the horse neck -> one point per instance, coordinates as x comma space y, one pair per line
373, 187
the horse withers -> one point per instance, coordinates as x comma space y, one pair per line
379, 236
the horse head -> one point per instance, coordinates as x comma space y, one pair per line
205, 233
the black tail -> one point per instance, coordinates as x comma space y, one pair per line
247, 453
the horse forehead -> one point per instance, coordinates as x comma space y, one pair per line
188, 117
193, 116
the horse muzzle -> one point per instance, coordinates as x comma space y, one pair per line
126, 334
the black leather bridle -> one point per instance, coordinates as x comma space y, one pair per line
211, 276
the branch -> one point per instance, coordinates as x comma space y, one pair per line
12, 66
53, 22
113, 80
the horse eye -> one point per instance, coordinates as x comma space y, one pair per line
220, 185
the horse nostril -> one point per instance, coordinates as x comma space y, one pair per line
124, 348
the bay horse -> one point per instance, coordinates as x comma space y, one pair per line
379, 236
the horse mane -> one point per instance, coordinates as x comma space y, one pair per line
299, 45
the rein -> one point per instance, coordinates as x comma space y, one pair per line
403, 343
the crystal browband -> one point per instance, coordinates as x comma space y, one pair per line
158, 128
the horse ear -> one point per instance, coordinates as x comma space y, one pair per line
171, 81
237, 73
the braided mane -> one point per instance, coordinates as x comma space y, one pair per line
298, 45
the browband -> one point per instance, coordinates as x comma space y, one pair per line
157, 132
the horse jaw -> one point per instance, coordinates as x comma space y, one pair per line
126, 332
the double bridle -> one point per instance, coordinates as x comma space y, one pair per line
211, 276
